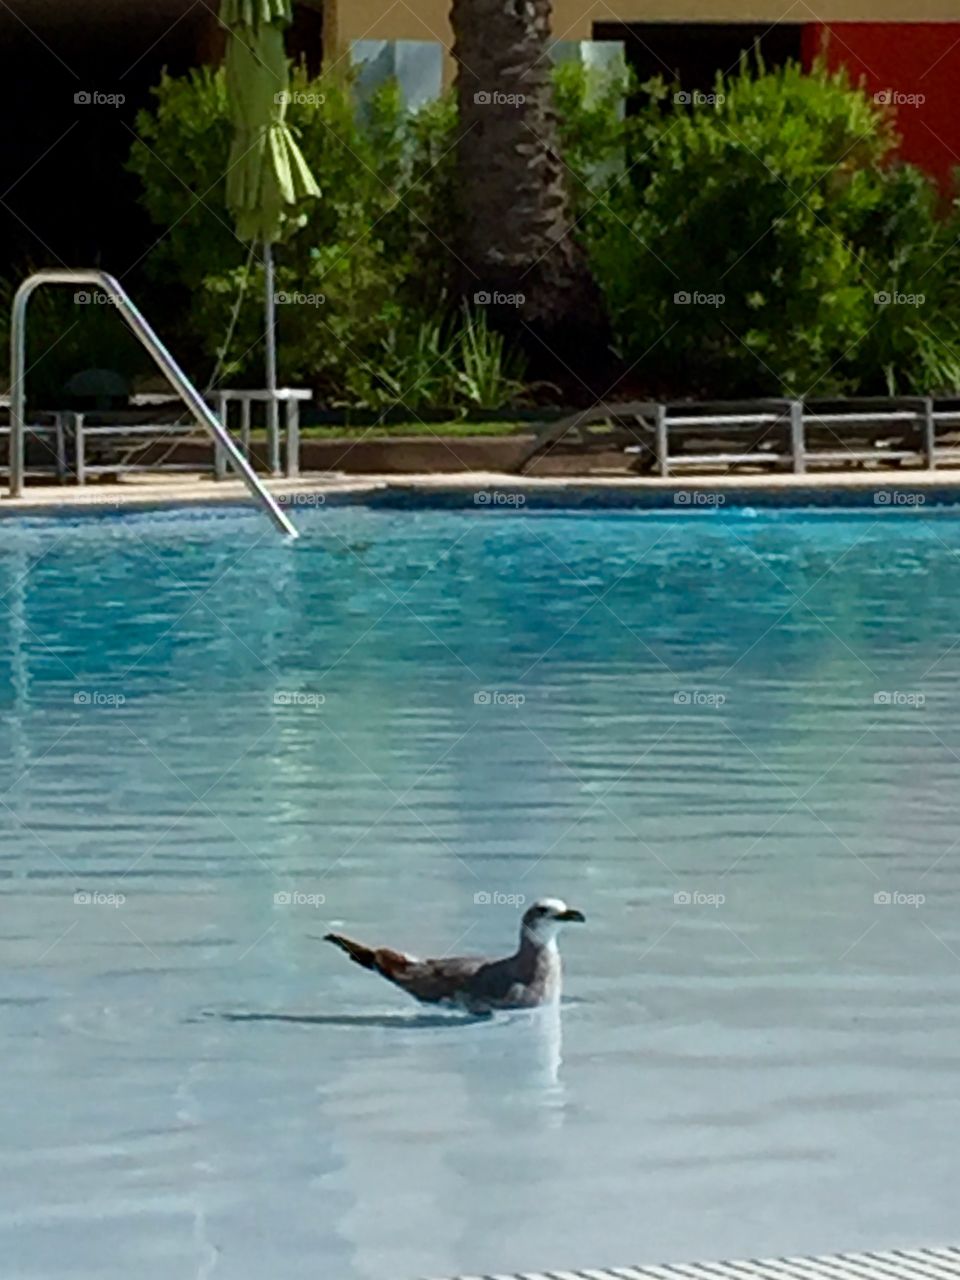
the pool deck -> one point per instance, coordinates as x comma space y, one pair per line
897, 1264
687, 491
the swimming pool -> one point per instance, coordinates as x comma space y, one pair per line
724, 736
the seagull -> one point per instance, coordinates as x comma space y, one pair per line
530, 977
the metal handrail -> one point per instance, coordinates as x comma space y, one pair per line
165, 361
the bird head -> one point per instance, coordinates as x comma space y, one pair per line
542, 921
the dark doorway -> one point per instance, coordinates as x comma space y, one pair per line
693, 52
73, 75
70, 90
305, 37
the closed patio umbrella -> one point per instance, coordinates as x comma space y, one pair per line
268, 176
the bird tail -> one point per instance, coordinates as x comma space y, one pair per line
358, 953
391, 964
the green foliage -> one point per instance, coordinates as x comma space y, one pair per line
593, 134
781, 198
362, 269
463, 364
410, 367
775, 209
911, 254
487, 374
179, 158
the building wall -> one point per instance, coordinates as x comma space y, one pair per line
908, 47
574, 19
915, 66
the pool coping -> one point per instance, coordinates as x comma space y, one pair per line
160, 493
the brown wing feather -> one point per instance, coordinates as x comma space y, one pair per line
435, 980
381, 959
426, 980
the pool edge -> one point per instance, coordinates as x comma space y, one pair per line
884, 492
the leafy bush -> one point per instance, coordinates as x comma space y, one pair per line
909, 252
364, 256
782, 198
743, 251
463, 364
487, 374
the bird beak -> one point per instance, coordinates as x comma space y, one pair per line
572, 917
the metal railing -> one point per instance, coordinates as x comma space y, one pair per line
162, 357
291, 398
668, 438
54, 431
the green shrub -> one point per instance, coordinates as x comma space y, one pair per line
593, 133
775, 210
782, 199
364, 256
487, 374
909, 255
461, 363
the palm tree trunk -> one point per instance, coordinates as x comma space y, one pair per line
516, 235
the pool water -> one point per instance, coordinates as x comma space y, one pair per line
727, 737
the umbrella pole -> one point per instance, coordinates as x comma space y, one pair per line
273, 407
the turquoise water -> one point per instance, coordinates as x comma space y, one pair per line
719, 735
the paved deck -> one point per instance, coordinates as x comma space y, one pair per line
201, 490
907, 1264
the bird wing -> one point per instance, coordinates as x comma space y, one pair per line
499, 983
480, 985
428, 980
437, 980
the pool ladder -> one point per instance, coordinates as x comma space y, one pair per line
144, 331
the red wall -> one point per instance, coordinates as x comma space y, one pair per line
913, 58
